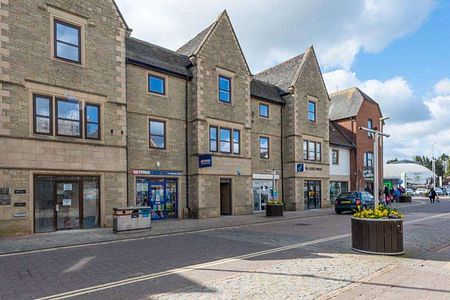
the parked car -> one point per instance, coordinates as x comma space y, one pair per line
421, 192
409, 191
445, 191
439, 191
349, 201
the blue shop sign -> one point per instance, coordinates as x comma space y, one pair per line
300, 168
205, 161
157, 172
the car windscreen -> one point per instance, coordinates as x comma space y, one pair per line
348, 195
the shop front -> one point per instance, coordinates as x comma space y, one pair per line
160, 193
264, 190
312, 194
66, 202
337, 187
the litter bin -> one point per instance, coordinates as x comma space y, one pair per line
131, 218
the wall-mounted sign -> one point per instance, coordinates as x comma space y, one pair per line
157, 172
20, 192
20, 204
19, 215
300, 168
205, 161
67, 186
313, 169
5, 197
67, 202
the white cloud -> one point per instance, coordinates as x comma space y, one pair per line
274, 30
395, 96
415, 124
442, 87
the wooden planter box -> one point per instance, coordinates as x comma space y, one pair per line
274, 210
378, 236
405, 199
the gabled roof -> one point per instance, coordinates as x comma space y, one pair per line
347, 103
121, 15
266, 91
340, 136
156, 57
191, 47
282, 75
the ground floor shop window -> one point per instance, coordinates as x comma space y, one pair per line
337, 187
161, 194
312, 194
263, 191
66, 202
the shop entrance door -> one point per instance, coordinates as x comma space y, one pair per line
261, 191
66, 202
225, 197
67, 205
312, 194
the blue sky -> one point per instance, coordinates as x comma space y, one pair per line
397, 51
422, 57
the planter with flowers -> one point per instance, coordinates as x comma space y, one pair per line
274, 209
378, 231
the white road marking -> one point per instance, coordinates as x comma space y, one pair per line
79, 265
173, 234
155, 236
147, 277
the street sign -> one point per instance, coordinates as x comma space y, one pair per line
299, 168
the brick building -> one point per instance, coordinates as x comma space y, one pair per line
93, 119
352, 109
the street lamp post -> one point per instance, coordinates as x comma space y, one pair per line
433, 164
376, 134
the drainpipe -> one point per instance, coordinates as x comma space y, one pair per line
282, 157
186, 145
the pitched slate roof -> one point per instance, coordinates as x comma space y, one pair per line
282, 75
153, 56
267, 91
191, 46
340, 136
346, 103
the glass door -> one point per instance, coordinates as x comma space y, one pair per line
157, 198
171, 198
67, 205
312, 194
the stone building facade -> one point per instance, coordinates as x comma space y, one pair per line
94, 119
62, 114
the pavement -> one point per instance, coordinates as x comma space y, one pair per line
301, 257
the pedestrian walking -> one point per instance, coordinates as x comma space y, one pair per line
386, 195
397, 195
432, 195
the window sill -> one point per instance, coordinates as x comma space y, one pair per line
157, 95
72, 63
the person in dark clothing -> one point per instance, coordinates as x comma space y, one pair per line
432, 195
386, 194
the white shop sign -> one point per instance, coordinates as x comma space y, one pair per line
265, 176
